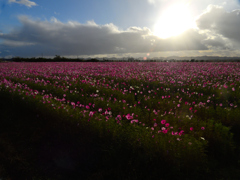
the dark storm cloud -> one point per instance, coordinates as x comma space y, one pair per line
72, 38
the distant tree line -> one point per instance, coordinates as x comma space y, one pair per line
58, 58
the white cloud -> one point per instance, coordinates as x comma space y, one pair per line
196, 7
152, 1
218, 34
73, 38
23, 2
16, 43
222, 27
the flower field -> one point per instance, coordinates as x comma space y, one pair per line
183, 114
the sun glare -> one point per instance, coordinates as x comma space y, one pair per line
173, 21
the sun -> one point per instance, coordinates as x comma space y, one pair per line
173, 21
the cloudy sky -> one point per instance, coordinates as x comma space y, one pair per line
112, 28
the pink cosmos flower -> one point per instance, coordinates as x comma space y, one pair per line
180, 133
165, 131
128, 116
163, 121
191, 128
119, 117
167, 124
134, 120
91, 114
202, 128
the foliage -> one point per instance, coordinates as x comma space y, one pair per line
182, 115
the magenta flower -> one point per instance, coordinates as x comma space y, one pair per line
191, 128
134, 120
163, 121
167, 124
119, 117
180, 133
91, 114
128, 116
202, 128
165, 131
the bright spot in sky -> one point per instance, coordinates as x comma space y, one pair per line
173, 21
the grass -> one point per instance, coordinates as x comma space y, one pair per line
36, 145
